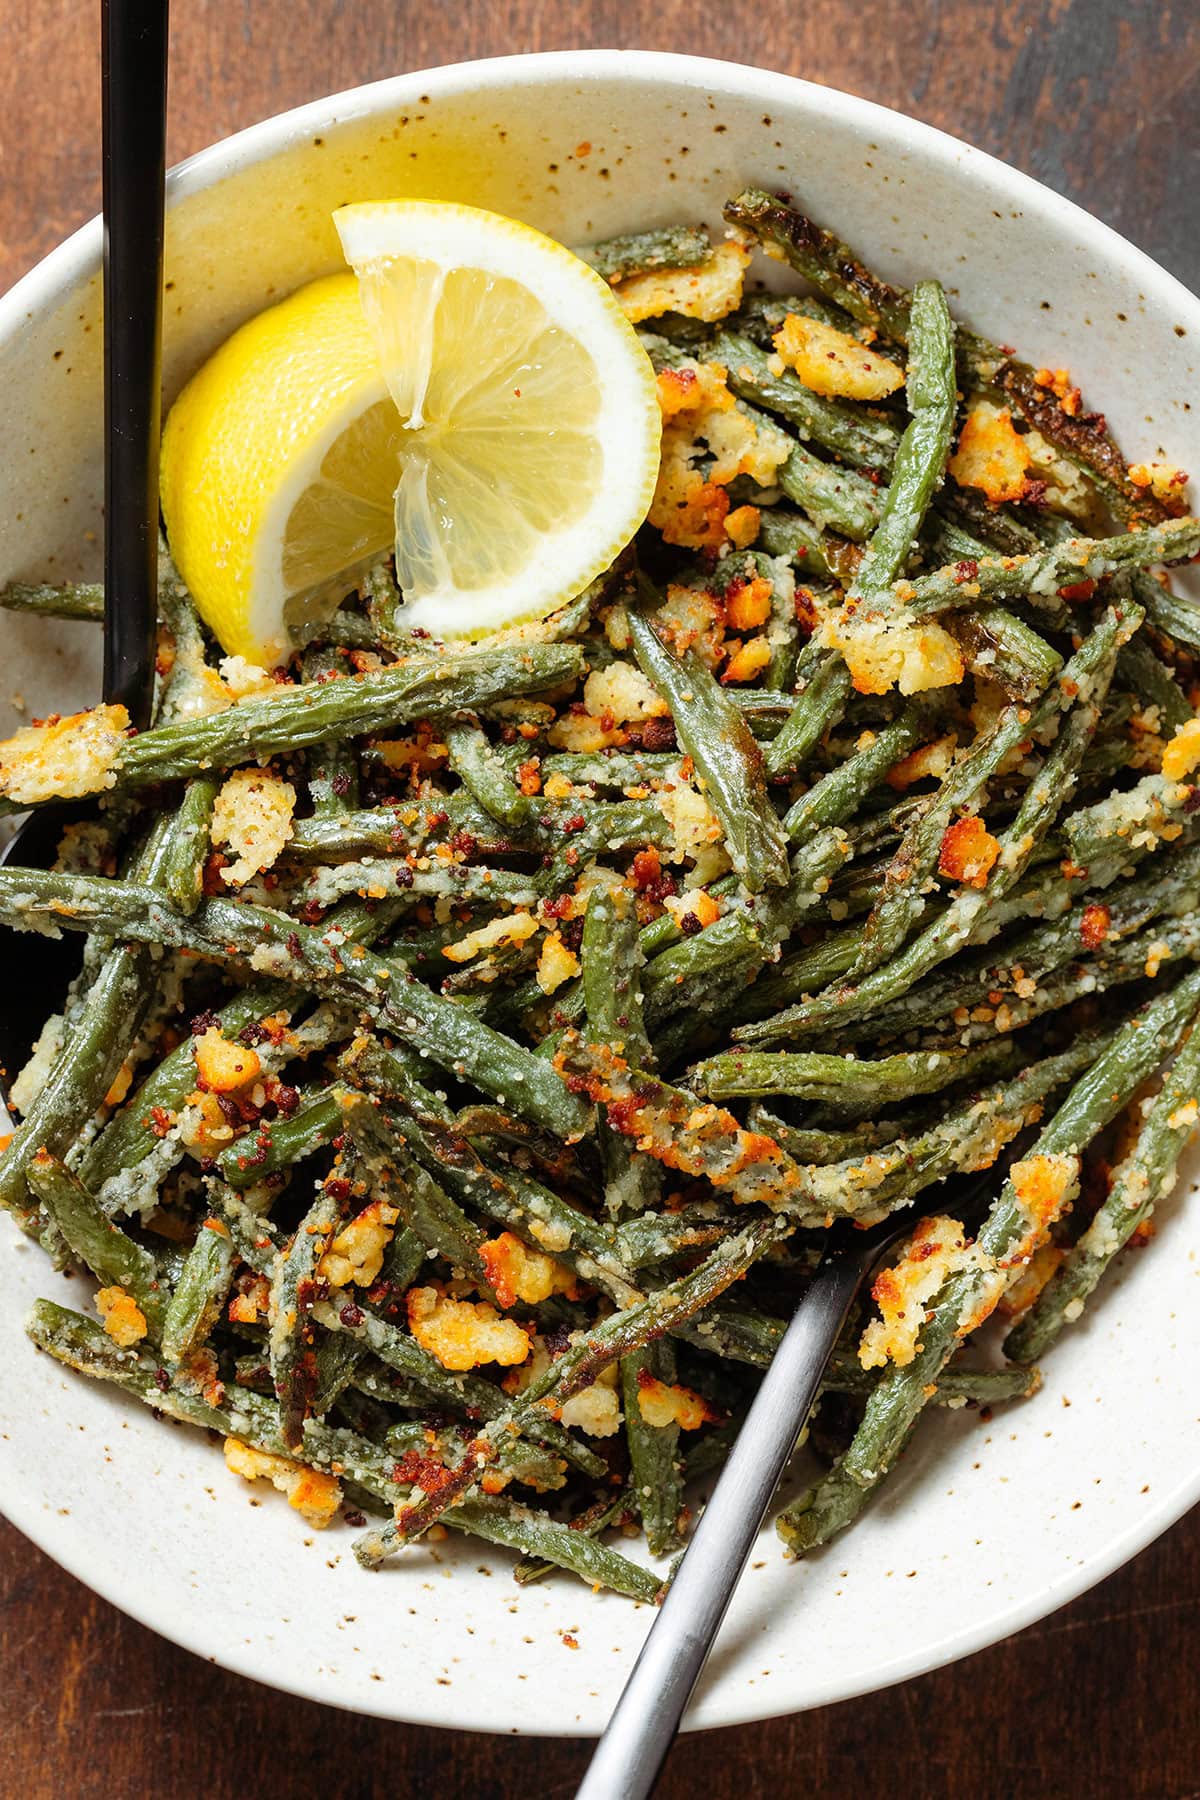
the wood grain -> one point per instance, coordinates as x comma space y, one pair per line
1095, 97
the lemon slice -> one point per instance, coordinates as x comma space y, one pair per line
279, 461
482, 403
529, 422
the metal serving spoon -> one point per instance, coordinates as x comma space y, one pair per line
631, 1753
134, 105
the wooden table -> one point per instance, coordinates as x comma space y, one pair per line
1095, 97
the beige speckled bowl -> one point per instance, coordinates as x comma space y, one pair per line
986, 1526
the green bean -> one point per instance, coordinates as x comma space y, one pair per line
101, 1035
612, 768
1084, 439
296, 717
839, 794
139, 1129
655, 1470
478, 1398
1040, 575
195, 1306
835, 498
1001, 647
733, 938
1005, 1239
823, 1145
446, 1033
1143, 1178
782, 532
501, 1521
183, 869
607, 1510
292, 1339
821, 705
396, 1177
281, 1142
1084, 684
606, 828
725, 755
1039, 953
466, 883
617, 1336
834, 1080
74, 600
651, 1237
385, 607
864, 441
484, 775
823, 260
921, 456
111, 1255
956, 1386
1152, 681
332, 767
395, 830
903, 897
641, 252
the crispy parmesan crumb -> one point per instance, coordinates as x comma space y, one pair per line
223, 1066
1043, 1185
556, 963
1165, 481
709, 291
512, 928
662, 1405
624, 693
252, 817
935, 1249
63, 758
968, 852
1182, 754
124, 1320
516, 1272
462, 1334
356, 1253
832, 362
315, 1496
701, 419
882, 653
991, 454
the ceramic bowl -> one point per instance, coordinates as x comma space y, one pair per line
986, 1525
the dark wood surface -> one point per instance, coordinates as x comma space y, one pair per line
1099, 99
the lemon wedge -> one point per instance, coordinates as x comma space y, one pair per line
475, 397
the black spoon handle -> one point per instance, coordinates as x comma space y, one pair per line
646, 1717
134, 63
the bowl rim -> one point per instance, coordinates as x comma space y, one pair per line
78, 258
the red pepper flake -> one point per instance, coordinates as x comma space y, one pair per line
575, 823
1094, 924
966, 570
1077, 590
210, 880
293, 946
658, 734
351, 1315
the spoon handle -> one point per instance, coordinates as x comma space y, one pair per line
134, 82
646, 1717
